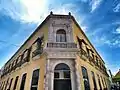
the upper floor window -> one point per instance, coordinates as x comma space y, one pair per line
61, 36
35, 78
26, 55
79, 42
37, 47
85, 78
96, 60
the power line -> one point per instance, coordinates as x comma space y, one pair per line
1, 41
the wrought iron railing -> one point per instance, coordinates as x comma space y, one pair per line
37, 52
83, 54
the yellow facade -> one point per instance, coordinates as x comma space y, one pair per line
41, 61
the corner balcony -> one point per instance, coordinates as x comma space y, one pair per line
61, 50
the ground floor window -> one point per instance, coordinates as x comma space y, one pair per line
15, 84
94, 81
23, 81
62, 77
99, 82
35, 78
85, 78
10, 84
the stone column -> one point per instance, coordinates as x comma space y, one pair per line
47, 75
78, 84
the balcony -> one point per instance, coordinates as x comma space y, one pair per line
83, 53
61, 45
37, 52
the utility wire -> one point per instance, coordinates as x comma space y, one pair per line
1, 41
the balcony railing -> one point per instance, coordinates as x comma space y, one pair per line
61, 45
37, 52
84, 55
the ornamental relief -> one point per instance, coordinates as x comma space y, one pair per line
62, 55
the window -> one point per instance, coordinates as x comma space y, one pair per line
94, 81
62, 79
96, 60
93, 56
102, 82
35, 78
6, 84
79, 42
85, 78
10, 84
15, 84
61, 36
3, 85
23, 81
37, 47
26, 55
99, 82
19, 61
88, 51
105, 84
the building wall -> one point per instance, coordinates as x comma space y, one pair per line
29, 67
77, 32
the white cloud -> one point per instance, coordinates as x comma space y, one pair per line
118, 30
95, 4
104, 40
33, 10
25, 10
84, 28
117, 8
84, 1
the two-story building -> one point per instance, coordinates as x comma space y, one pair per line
57, 56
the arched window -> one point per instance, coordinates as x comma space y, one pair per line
85, 78
61, 36
35, 78
99, 82
94, 81
62, 80
10, 84
23, 81
6, 84
15, 84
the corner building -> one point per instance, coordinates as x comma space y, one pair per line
57, 56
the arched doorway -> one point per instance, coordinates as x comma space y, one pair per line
62, 77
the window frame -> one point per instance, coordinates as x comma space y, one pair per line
11, 80
33, 77
61, 35
23, 81
15, 84
85, 78
94, 80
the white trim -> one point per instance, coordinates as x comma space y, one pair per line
70, 63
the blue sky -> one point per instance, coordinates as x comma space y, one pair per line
99, 19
